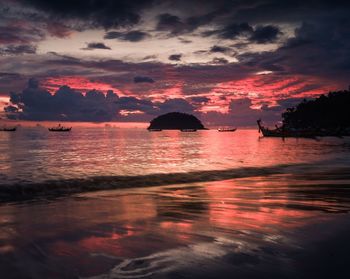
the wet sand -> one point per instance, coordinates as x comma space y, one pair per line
277, 226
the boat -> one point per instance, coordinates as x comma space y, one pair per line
188, 130
227, 129
60, 128
8, 129
283, 132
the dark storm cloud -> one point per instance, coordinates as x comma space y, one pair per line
66, 104
132, 36
265, 34
175, 57
171, 23
313, 44
149, 57
142, 79
260, 34
10, 34
96, 13
219, 60
95, 45
10, 81
221, 49
288, 11
232, 31
17, 49
207, 18
320, 49
176, 25
35, 103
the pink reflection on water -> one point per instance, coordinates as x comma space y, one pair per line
249, 204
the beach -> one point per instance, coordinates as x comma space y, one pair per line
249, 208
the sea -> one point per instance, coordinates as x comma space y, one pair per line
108, 202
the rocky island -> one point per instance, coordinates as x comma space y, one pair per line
176, 121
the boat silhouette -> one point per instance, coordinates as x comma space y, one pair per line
60, 128
227, 129
8, 129
283, 132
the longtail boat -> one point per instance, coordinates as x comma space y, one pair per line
282, 132
60, 128
227, 129
8, 129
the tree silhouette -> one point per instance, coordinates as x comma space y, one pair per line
326, 112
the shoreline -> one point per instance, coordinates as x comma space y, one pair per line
277, 226
57, 188
66, 187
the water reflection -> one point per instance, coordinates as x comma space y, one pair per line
239, 227
35, 155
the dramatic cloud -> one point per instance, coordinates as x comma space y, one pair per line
175, 57
171, 23
219, 60
66, 104
205, 55
96, 13
232, 31
132, 36
19, 34
17, 49
265, 34
259, 34
216, 48
94, 45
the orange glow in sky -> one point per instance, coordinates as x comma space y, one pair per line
81, 84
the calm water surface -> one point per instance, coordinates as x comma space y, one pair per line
34, 154
294, 223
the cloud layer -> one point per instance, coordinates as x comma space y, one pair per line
201, 56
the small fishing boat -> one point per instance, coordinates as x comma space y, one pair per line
5, 129
60, 128
227, 129
282, 132
188, 130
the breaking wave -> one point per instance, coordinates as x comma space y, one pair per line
53, 188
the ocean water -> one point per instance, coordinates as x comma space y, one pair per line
178, 205
34, 155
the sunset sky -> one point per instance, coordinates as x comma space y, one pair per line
228, 62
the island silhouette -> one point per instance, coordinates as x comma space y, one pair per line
176, 121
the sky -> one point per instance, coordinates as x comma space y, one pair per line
228, 62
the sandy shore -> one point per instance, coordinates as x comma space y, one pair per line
278, 226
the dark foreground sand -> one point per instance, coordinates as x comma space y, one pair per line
277, 226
